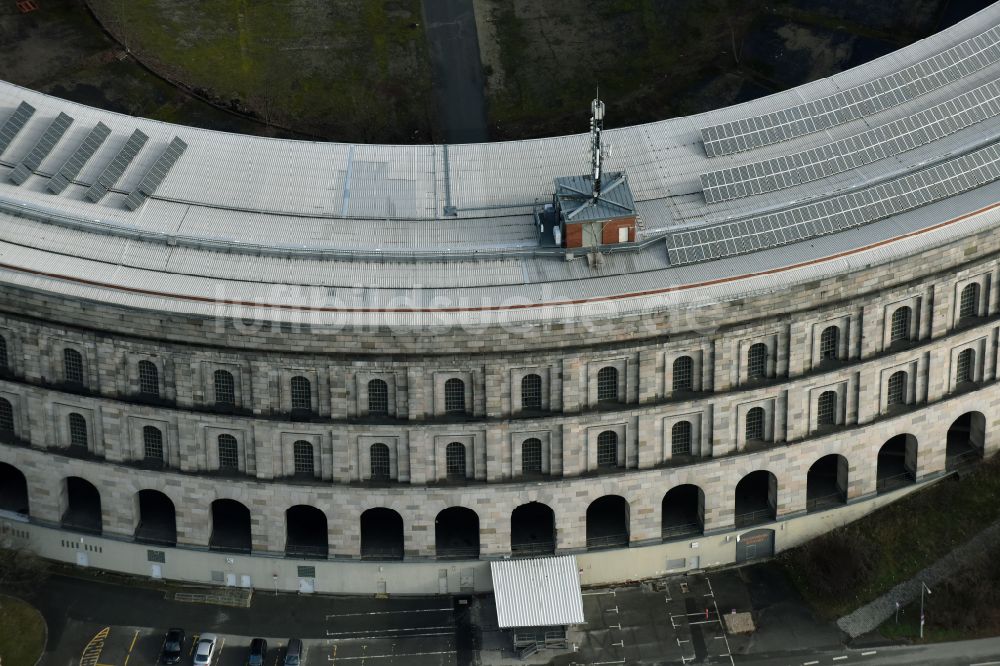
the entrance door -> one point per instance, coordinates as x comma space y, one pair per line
442, 581
245, 581
466, 580
82, 559
230, 580
754, 545
156, 571
307, 585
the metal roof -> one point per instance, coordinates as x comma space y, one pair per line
575, 195
541, 592
360, 233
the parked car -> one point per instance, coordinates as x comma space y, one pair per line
293, 653
258, 650
173, 646
205, 649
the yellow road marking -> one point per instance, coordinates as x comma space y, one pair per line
134, 638
92, 651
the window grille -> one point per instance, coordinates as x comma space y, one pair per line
455, 460
225, 388
4, 362
680, 439
966, 361
380, 462
77, 430
531, 456
72, 366
900, 327
531, 392
755, 425
302, 452
229, 457
828, 343
897, 388
826, 411
683, 374
607, 449
6, 417
378, 397
969, 301
149, 378
757, 361
454, 396
607, 385
152, 443
301, 393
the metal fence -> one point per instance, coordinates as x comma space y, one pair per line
532, 548
609, 541
892, 482
826, 501
458, 552
306, 551
962, 460
754, 517
382, 553
675, 531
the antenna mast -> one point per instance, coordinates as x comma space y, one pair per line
596, 127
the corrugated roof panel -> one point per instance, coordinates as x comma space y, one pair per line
542, 592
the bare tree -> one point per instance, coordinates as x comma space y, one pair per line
21, 571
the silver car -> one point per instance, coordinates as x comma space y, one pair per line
205, 649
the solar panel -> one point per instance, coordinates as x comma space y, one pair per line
71, 168
117, 166
13, 125
156, 173
863, 100
878, 143
848, 210
41, 150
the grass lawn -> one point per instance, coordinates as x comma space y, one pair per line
855, 564
22, 633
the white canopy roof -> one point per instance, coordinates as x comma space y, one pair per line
543, 592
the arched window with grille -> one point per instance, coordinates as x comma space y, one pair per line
378, 397
899, 328
77, 430
454, 396
379, 460
829, 343
826, 409
531, 392
896, 393
968, 302
454, 456
301, 394
757, 361
680, 439
72, 366
607, 384
302, 454
531, 456
755, 425
149, 378
152, 444
966, 366
607, 449
225, 388
229, 453
4, 360
6, 417
683, 379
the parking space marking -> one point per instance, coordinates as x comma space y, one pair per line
131, 647
400, 612
594, 594
92, 651
840, 658
394, 655
871, 652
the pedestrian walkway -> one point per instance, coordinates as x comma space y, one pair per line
871, 615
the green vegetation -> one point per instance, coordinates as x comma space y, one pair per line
853, 565
22, 633
351, 69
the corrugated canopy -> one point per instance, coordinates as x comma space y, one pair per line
543, 592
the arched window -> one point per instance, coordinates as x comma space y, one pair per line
6, 417
380, 462
757, 361
607, 449
149, 378
302, 452
301, 393
454, 456
607, 384
829, 341
968, 302
897, 388
899, 329
152, 444
826, 410
378, 397
72, 366
683, 374
4, 361
229, 453
77, 430
531, 456
225, 388
454, 396
755, 425
966, 364
531, 392
680, 439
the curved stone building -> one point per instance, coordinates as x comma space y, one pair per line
359, 368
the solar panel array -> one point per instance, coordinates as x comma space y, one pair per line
71, 168
41, 150
156, 173
117, 166
837, 213
876, 144
863, 100
13, 125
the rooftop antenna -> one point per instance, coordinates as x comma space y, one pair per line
596, 127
